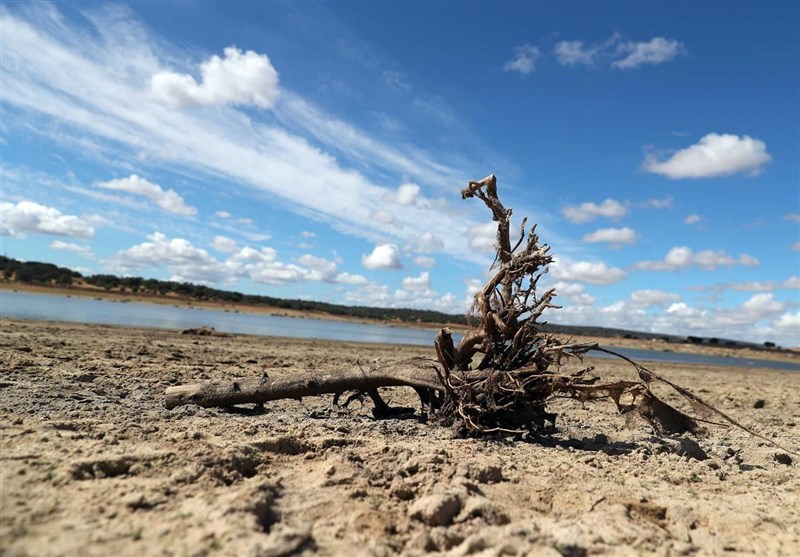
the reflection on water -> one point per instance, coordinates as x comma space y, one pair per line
83, 310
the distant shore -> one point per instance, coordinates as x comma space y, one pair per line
172, 300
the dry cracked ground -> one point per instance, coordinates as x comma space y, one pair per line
92, 463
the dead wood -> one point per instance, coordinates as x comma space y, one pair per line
504, 370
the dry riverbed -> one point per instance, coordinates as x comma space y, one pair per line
91, 463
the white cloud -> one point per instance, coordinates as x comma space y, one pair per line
571, 53
425, 243
406, 194
762, 305
748, 260
483, 237
186, 262
168, 200
223, 214
83, 251
307, 234
794, 217
789, 322
224, 244
384, 256
621, 54
575, 293
792, 283
27, 216
396, 80
694, 218
795, 246
665, 203
656, 51
586, 271
585, 212
422, 282
240, 78
424, 261
682, 257
714, 155
613, 236
383, 217
524, 60
650, 298
90, 83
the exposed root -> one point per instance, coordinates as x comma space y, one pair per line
504, 370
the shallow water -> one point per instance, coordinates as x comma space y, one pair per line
24, 305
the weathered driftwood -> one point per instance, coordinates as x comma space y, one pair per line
503, 372
419, 373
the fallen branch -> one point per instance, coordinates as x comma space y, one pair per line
517, 371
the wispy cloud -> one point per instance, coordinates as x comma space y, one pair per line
100, 85
620, 54
524, 60
83, 251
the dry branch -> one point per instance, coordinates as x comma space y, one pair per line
504, 370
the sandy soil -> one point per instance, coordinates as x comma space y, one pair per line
92, 464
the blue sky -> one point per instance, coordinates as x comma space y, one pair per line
317, 151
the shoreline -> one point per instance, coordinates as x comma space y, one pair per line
127, 297
787, 355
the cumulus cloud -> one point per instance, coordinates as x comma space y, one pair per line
168, 200
384, 256
682, 257
524, 61
794, 217
240, 78
223, 214
762, 305
655, 51
27, 216
694, 218
83, 251
585, 212
586, 271
406, 194
613, 236
651, 298
425, 243
483, 237
422, 282
224, 244
575, 293
789, 322
187, 262
714, 155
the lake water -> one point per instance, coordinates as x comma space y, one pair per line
26, 305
